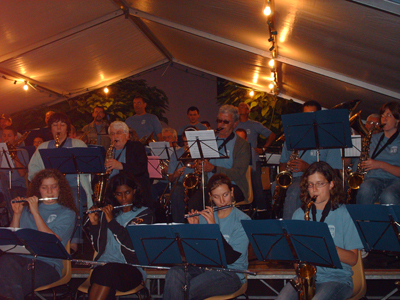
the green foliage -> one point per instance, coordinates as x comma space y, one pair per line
264, 108
118, 104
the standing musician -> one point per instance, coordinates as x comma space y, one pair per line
324, 183
237, 163
111, 239
204, 283
97, 130
53, 216
129, 158
382, 181
60, 126
299, 165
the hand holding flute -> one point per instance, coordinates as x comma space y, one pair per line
208, 214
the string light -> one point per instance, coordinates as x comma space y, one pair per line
273, 48
267, 9
106, 90
271, 63
26, 86
251, 93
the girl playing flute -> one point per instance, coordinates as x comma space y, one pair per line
207, 283
55, 217
112, 242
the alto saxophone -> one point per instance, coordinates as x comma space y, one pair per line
101, 185
306, 273
57, 140
283, 180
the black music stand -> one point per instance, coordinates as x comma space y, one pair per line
78, 160
294, 241
198, 245
32, 242
6, 162
325, 129
378, 226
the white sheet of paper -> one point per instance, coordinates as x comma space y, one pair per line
158, 149
3, 161
355, 151
208, 143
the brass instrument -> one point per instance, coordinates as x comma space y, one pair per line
101, 186
12, 148
306, 273
57, 140
147, 140
283, 180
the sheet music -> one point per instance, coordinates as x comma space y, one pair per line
153, 166
208, 143
158, 149
355, 151
5, 162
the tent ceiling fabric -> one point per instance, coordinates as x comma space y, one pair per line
329, 51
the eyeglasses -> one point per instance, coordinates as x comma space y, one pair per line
223, 121
318, 185
373, 123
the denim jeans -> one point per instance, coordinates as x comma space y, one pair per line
16, 275
323, 291
202, 284
384, 191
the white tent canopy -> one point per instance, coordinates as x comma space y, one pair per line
329, 51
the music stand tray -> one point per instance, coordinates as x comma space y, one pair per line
293, 241
377, 225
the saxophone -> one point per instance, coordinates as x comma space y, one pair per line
306, 273
57, 140
283, 180
101, 185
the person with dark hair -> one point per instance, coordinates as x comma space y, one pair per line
111, 239
52, 216
144, 123
37, 141
300, 164
96, 131
382, 181
324, 183
60, 125
193, 115
203, 283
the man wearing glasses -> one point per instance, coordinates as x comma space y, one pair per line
237, 161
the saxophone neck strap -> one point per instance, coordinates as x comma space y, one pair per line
389, 141
325, 212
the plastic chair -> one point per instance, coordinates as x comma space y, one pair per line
239, 292
251, 196
359, 281
84, 287
65, 277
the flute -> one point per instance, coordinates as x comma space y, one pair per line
115, 207
40, 199
215, 209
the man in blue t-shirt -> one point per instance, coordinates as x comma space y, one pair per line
300, 164
253, 130
144, 124
193, 115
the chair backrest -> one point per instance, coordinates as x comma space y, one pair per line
251, 197
67, 268
359, 281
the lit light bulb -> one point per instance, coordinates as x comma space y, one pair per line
106, 90
25, 87
267, 10
271, 86
271, 63
251, 93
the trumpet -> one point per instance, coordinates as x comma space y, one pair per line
40, 199
215, 209
115, 207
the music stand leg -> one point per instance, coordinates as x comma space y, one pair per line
33, 276
202, 184
186, 286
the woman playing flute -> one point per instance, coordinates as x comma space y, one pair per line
207, 283
55, 216
112, 242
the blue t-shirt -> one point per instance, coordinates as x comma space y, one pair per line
59, 219
344, 234
253, 129
390, 155
16, 179
225, 162
113, 253
330, 156
144, 125
233, 232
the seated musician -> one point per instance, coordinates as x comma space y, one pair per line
56, 216
111, 239
204, 283
382, 181
324, 183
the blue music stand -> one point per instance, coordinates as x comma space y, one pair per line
324, 129
293, 241
377, 225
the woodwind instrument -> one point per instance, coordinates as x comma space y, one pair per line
115, 207
40, 199
57, 140
215, 209
100, 187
